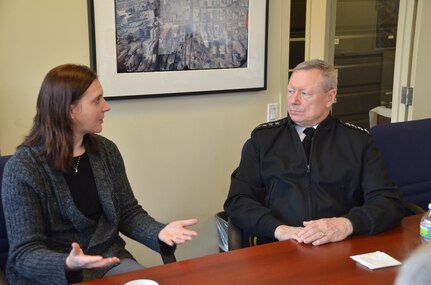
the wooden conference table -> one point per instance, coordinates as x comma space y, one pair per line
286, 262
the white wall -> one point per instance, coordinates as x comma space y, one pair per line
179, 151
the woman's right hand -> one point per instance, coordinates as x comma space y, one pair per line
77, 260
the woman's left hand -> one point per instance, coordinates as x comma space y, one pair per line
176, 233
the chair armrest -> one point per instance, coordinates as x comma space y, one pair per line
411, 208
170, 258
3, 280
234, 236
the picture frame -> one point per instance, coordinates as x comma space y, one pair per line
188, 61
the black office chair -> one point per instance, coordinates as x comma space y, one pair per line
168, 258
238, 238
235, 236
405, 147
4, 243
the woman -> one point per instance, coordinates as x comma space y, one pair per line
66, 195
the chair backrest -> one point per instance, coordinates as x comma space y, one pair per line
406, 151
4, 244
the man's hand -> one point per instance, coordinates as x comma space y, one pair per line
284, 232
176, 233
78, 260
323, 231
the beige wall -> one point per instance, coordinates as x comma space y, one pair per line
179, 151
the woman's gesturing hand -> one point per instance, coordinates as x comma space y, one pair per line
78, 260
176, 233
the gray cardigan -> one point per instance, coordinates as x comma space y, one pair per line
42, 220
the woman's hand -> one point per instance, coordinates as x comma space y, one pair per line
78, 260
176, 233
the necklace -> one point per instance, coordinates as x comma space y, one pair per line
77, 164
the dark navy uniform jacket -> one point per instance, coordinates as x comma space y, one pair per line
273, 184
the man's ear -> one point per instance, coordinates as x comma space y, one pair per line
332, 97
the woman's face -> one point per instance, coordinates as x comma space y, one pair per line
87, 114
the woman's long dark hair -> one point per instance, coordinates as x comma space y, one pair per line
63, 86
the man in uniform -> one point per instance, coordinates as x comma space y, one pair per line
340, 188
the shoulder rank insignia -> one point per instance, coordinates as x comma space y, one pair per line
271, 124
354, 127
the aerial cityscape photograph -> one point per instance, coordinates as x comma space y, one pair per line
164, 35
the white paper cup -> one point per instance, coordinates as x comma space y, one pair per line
142, 282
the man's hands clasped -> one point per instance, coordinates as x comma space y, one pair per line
316, 232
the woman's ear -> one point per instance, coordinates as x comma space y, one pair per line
72, 111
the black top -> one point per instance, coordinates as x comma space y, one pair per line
83, 188
345, 177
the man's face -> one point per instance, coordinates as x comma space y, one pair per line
308, 102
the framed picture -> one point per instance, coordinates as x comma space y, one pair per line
148, 48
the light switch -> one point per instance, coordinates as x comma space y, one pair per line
272, 112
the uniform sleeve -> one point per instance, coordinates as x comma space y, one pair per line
245, 203
382, 208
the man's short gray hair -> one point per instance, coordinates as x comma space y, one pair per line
327, 70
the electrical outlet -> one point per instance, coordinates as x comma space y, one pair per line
272, 112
